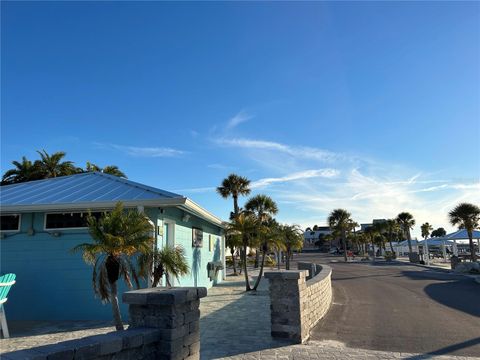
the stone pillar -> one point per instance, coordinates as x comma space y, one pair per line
287, 304
175, 313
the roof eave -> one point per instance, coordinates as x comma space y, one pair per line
91, 205
196, 209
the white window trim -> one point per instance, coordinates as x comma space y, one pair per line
171, 231
19, 223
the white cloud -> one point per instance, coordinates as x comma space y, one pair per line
307, 174
295, 151
198, 190
137, 151
239, 118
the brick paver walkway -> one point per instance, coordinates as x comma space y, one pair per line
236, 325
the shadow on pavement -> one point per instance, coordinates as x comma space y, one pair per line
447, 350
455, 291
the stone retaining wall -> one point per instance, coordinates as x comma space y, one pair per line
297, 304
164, 324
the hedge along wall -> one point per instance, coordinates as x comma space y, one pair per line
299, 300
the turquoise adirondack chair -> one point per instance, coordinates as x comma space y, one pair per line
6, 282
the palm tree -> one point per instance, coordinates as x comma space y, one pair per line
269, 235
339, 220
23, 171
109, 169
233, 241
466, 216
169, 261
52, 165
234, 185
391, 227
245, 225
406, 222
292, 238
370, 233
426, 228
352, 226
438, 232
117, 237
263, 207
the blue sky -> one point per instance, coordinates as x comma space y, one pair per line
374, 107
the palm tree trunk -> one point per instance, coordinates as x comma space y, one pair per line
260, 274
344, 240
257, 258
287, 260
391, 246
247, 281
117, 317
279, 258
472, 247
232, 251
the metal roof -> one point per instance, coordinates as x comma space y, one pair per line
91, 190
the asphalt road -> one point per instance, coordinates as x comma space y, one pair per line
399, 307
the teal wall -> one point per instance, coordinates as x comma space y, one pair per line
54, 284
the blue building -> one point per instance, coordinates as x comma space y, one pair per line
41, 221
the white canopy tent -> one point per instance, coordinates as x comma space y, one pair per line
441, 242
460, 235
401, 248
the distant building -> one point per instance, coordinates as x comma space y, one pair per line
311, 237
374, 221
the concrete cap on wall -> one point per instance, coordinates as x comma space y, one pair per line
287, 274
163, 296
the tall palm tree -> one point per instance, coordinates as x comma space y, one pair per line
339, 220
117, 236
169, 261
466, 216
53, 166
23, 171
406, 222
234, 185
245, 225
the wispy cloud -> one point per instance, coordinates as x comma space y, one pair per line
375, 196
307, 174
239, 118
296, 151
138, 151
198, 190
219, 166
